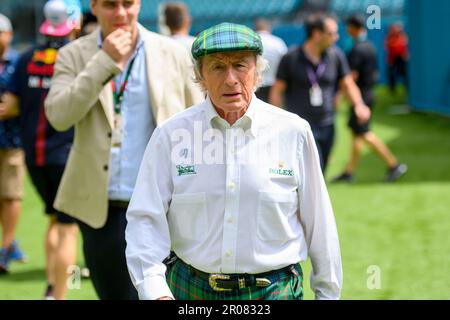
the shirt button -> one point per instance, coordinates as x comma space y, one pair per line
230, 220
105, 167
109, 135
229, 253
232, 185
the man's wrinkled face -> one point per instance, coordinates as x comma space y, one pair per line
230, 79
116, 14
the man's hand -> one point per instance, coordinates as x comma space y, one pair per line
354, 94
118, 45
165, 298
9, 106
362, 112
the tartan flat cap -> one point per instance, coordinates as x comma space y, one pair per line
226, 37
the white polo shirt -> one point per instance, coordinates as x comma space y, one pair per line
247, 198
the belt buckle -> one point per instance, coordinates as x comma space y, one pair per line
263, 282
213, 281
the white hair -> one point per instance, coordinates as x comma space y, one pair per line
261, 65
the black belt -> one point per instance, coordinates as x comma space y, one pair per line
228, 282
119, 204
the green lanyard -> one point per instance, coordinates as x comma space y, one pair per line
118, 96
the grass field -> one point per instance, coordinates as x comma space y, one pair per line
401, 229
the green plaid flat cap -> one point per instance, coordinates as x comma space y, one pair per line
226, 37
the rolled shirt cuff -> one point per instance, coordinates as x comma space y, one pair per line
154, 287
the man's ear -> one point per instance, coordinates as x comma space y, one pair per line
92, 6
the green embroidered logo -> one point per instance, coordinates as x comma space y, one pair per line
282, 172
185, 170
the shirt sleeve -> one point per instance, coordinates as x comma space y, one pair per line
147, 232
74, 92
283, 69
342, 63
356, 59
13, 84
317, 219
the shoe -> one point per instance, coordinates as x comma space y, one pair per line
344, 177
17, 254
49, 293
85, 273
396, 172
5, 258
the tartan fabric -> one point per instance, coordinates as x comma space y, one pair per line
184, 286
226, 37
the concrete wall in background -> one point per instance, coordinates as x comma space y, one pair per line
429, 65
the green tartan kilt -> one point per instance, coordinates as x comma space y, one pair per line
185, 286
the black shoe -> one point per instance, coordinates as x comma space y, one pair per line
344, 177
396, 172
49, 295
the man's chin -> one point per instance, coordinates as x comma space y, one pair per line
230, 107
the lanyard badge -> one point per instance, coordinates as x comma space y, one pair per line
117, 133
316, 96
118, 129
315, 93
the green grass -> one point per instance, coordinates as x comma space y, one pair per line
28, 281
401, 228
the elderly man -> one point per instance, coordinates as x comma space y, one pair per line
233, 187
114, 85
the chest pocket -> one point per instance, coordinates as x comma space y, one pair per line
188, 216
272, 217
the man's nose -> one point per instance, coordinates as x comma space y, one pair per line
121, 9
231, 78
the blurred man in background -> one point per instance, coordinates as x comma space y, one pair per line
274, 50
363, 64
46, 150
308, 77
11, 156
396, 45
178, 20
114, 85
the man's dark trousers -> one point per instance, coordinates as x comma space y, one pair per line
104, 252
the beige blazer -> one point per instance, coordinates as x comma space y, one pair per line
81, 96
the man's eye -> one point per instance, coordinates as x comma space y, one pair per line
128, 4
109, 5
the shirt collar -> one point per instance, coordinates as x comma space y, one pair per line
8, 57
323, 58
247, 122
362, 37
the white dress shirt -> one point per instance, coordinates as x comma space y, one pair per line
185, 40
247, 198
274, 50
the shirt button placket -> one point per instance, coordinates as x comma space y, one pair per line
231, 212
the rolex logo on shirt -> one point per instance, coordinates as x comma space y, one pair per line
281, 172
185, 170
